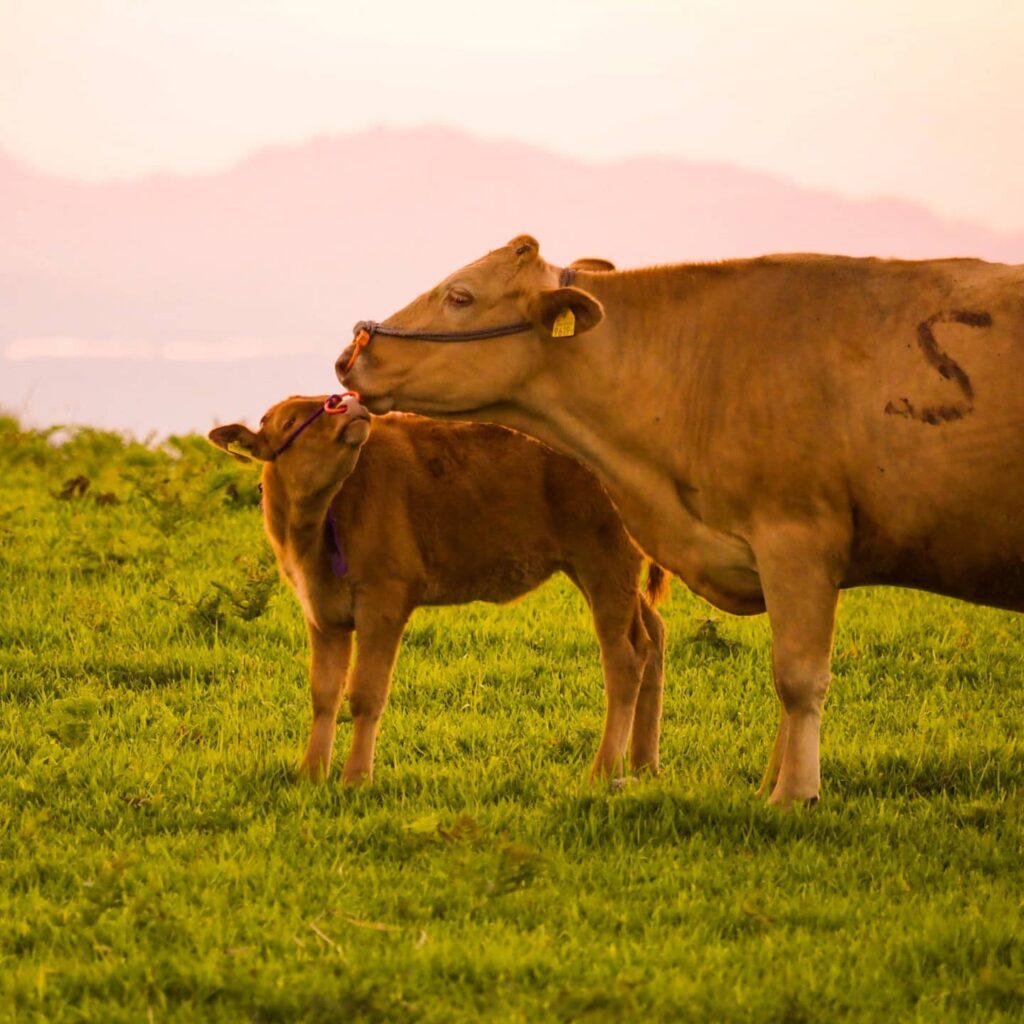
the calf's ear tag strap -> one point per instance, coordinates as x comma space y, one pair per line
564, 325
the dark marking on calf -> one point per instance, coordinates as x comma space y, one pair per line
947, 367
436, 467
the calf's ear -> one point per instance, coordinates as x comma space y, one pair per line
549, 306
239, 441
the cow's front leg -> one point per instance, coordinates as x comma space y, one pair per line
329, 660
800, 589
378, 634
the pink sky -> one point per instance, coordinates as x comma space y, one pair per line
876, 97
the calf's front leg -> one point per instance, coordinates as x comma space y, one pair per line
378, 634
329, 660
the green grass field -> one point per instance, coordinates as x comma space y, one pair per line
158, 863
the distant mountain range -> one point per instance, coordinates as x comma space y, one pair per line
299, 242
275, 258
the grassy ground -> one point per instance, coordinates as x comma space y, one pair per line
159, 864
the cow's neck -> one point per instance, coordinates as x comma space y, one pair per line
645, 369
641, 366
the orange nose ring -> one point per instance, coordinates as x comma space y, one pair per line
359, 342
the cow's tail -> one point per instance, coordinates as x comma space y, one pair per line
658, 581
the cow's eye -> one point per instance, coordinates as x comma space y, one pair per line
288, 424
458, 297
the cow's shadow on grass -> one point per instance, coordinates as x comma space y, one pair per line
971, 789
956, 774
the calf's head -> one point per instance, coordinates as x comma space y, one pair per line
510, 286
313, 443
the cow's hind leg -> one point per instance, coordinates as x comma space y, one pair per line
798, 576
329, 659
643, 747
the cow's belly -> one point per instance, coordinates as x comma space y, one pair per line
994, 585
990, 576
965, 542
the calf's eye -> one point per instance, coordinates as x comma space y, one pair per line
288, 423
458, 297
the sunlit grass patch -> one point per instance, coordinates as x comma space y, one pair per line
159, 861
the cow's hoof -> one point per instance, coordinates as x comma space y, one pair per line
623, 782
785, 802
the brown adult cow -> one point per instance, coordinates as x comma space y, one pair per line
773, 430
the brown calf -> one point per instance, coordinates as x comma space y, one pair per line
427, 514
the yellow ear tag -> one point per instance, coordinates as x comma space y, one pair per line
236, 449
564, 325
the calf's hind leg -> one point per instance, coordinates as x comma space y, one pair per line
378, 634
771, 773
329, 660
624, 650
643, 746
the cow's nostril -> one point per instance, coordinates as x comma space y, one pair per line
342, 365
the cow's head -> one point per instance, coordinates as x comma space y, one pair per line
511, 285
321, 454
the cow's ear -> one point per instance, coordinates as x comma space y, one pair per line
525, 248
594, 264
239, 441
550, 310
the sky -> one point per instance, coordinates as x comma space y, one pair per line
902, 98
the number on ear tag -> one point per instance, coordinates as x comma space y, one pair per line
564, 325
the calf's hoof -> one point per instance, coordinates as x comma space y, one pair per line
312, 771
352, 777
623, 782
605, 771
786, 802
